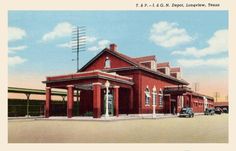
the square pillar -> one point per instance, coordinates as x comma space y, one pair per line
48, 102
191, 100
178, 104
97, 100
186, 101
167, 104
116, 100
70, 100
170, 106
131, 100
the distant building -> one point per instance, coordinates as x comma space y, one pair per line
222, 105
137, 85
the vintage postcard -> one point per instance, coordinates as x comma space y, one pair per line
141, 73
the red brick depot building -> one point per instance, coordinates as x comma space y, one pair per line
136, 86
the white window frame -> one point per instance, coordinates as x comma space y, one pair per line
147, 96
160, 98
107, 63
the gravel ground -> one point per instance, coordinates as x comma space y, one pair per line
200, 129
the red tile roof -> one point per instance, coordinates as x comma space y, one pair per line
135, 63
175, 69
163, 64
145, 58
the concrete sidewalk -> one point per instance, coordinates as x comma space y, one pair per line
103, 118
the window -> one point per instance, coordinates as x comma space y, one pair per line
147, 96
107, 63
160, 98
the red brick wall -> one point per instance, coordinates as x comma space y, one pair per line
151, 81
123, 101
136, 91
100, 63
198, 104
86, 102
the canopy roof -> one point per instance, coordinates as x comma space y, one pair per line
34, 91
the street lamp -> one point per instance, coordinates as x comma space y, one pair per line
107, 85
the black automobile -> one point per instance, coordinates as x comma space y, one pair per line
218, 110
186, 112
225, 110
209, 111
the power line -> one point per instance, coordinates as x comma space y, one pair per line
78, 43
217, 95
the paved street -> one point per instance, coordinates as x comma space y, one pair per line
200, 129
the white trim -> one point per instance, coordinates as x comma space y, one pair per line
105, 63
69, 86
97, 83
116, 86
93, 71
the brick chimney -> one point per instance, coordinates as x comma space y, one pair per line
113, 47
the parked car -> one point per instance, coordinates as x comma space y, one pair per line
225, 110
186, 112
218, 110
209, 111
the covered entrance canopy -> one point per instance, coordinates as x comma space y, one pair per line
93, 81
183, 96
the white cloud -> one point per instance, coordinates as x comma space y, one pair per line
90, 39
65, 45
218, 43
12, 61
60, 30
216, 62
100, 45
168, 34
15, 33
14, 49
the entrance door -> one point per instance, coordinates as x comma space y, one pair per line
173, 106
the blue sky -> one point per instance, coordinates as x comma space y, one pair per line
193, 40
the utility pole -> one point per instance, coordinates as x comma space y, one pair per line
217, 94
196, 86
78, 45
226, 98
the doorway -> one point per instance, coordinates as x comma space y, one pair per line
173, 106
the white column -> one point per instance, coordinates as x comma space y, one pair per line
182, 101
205, 102
107, 84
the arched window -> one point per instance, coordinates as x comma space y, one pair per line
107, 63
154, 94
160, 98
147, 96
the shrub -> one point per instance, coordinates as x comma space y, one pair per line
88, 113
